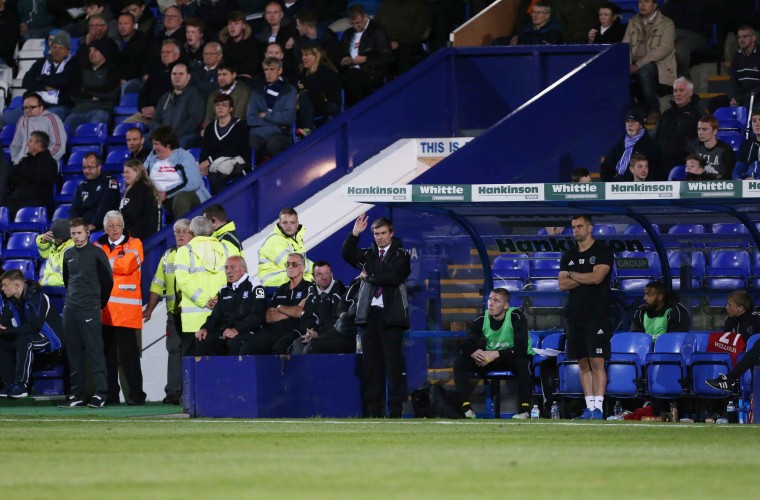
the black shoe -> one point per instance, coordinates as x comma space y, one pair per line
131, 402
170, 400
97, 402
72, 402
722, 383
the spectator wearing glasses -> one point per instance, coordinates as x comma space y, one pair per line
37, 118
97, 30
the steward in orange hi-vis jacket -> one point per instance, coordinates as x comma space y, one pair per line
125, 305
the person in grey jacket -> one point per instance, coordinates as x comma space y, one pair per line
182, 109
382, 312
88, 279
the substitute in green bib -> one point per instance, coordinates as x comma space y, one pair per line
661, 312
497, 341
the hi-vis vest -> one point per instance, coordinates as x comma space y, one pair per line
504, 337
124, 307
199, 275
656, 326
163, 283
273, 256
52, 274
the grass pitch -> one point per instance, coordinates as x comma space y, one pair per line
106, 454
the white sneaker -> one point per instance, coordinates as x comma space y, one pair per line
521, 416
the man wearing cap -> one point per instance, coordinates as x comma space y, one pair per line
37, 118
51, 245
636, 140
96, 88
51, 76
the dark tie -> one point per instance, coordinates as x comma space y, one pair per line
379, 290
113, 245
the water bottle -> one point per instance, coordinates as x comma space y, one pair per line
742, 412
358, 343
618, 411
555, 411
534, 413
674, 412
731, 412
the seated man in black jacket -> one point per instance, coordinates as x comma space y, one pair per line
31, 182
238, 313
498, 341
30, 325
636, 140
321, 311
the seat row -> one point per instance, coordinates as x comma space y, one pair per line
675, 366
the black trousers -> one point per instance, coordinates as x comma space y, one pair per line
358, 84
332, 342
17, 355
383, 360
212, 345
121, 349
464, 365
749, 360
262, 342
173, 388
84, 343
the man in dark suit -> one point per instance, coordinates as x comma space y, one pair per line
366, 58
382, 313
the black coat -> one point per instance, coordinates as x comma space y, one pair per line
614, 34
32, 181
139, 207
374, 44
390, 274
35, 81
646, 146
243, 309
131, 58
676, 128
321, 312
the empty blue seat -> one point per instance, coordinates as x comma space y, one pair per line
687, 229
127, 105
6, 133
119, 134
603, 229
513, 285
553, 300
633, 284
115, 160
569, 377
729, 228
667, 366
728, 264
86, 148
635, 229
21, 246
62, 211
95, 235
89, 133
652, 270
625, 368
732, 137
511, 267
545, 265
68, 190
30, 219
5, 220
26, 266
676, 260
16, 102
731, 118
754, 269
73, 163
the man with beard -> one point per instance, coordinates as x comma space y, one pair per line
660, 313
227, 78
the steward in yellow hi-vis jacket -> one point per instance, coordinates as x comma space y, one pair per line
286, 238
51, 246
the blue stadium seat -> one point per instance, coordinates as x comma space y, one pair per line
676, 260
728, 264
5, 220
30, 219
731, 118
569, 377
95, 235
513, 285
73, 163
6, 133
549, 302
68, 189
635, 229
625, 368
86, 148
545, 265
746, 377
732, 137
511, 266
677, 173
652, 272
127, 105
729, 228
754, 269
705, 366
26, 266
89, 133
119, 134
115, 161
633, 284
667, 366
687, 229
16, 102
61, 211
21, 246
196, 152
602, 229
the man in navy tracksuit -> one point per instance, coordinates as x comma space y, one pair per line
30, 324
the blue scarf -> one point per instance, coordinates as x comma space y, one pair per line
622, 166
